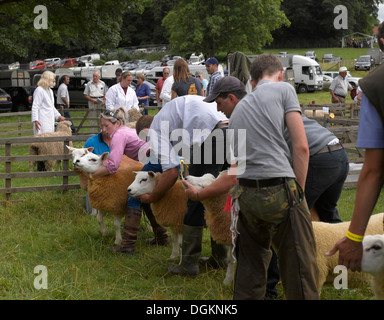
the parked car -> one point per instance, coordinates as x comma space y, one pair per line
52, 62
38, 64
329, 57
5, 101
310, 54
21, 98
354, 81
365, 62
67, 63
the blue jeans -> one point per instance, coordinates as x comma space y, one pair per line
325, 180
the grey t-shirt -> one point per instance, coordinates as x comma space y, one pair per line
262, 114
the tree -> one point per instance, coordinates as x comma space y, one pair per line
88, 25
220, 25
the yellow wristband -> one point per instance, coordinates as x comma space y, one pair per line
92, 178
354, 237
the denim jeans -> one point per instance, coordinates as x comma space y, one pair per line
325, 180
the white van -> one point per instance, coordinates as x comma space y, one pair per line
90, 57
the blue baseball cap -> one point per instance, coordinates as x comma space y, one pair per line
211, 61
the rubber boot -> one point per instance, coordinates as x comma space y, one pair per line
161, 234
218, 258
130, 231
190, 252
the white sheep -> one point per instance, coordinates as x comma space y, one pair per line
169, 211
46, 148
133, 116
373, 262
218, 221
326, 235
106, 194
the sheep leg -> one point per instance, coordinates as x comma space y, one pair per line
231, 267
100, 220
117, 225
175, 245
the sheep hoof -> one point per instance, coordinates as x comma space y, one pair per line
173, 258
227, 282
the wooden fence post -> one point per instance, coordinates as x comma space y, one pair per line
8, 181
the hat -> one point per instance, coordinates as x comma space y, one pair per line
211, 61
225, 84
343, 69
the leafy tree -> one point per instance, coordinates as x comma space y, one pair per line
87, 25
212, 26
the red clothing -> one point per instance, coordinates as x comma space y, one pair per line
159, 84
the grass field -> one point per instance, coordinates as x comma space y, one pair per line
52, 229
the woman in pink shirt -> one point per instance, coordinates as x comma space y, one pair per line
124, 141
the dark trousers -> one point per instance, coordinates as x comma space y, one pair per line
205, 159
325, 180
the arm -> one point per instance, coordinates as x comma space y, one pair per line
166, 181
220, 186
369, 185
300, 150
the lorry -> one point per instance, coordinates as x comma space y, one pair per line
303, 73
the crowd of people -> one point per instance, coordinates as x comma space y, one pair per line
286, 166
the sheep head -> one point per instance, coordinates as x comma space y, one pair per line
373, 254
85, 160
145, 182
201, 182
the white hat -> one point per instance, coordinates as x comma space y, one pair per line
343, 69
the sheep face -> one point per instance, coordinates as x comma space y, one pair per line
85, 160
201, 182
373, 254
144, 182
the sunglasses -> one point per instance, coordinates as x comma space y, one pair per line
111, 114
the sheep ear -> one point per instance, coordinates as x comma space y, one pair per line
104, 156
70, 148
151, 174
135, 172
90, 149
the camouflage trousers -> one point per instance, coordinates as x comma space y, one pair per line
276, 216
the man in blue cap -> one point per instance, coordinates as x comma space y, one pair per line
212, 67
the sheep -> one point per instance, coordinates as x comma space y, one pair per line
107, 194
217, 220
133, 116
373, 262
47, 148
169, 211
326, 234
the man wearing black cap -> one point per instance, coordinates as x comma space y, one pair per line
212, 67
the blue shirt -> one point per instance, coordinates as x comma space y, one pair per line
371, 130
143, 91
98, 144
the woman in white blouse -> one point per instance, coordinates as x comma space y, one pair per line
44, 112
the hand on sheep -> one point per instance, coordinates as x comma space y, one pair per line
191, 191
350, 253
146, 198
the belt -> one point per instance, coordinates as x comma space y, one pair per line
97, 97
330, 148
221, 124
339, 96
262, 183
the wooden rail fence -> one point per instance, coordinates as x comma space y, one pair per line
8, 159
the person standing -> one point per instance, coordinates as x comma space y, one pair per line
122, 95
191, 114
273, 210
44, 112
371, 137
94, 92
185, 83
63, 101
166, 91
143, 92
212, 67
199, 75
159, 87
340, 86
